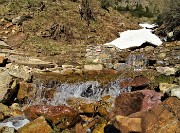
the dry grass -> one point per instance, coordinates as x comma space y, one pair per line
70, 47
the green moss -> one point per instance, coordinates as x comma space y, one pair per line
101, 77
164, 79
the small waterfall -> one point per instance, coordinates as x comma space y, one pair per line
89, 91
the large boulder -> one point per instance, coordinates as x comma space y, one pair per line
131, 102
60, 116
39, 125
22, 72
164, 118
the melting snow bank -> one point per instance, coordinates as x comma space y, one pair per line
135, 38
15, 122
148, 26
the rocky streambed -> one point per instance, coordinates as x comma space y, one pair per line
129, 90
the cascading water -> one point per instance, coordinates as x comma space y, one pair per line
89, 91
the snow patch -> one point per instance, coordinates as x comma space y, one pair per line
148, 26
135, 38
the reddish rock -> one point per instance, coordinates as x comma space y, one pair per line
135, 82
165, 118
60, 116
131, 102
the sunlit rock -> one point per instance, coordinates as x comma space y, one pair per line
39, 125
164, 118
3, 45
7, 130
22, 72
5, 110
170, 89
94, 67
167, 70
127, 125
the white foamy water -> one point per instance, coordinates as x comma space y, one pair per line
15, 122
89, 91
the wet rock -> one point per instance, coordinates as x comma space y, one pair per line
39, 125
164, 118
3, 45
97, 67
128, 103
24, 90
137, 83
166, 70
87, 108
103, 111
7, 130
88, 123
99, 128
128, 125
60, 116
16, 110
15, 122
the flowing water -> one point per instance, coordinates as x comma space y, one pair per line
89, 91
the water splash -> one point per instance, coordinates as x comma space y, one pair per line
15, 122
89, 91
